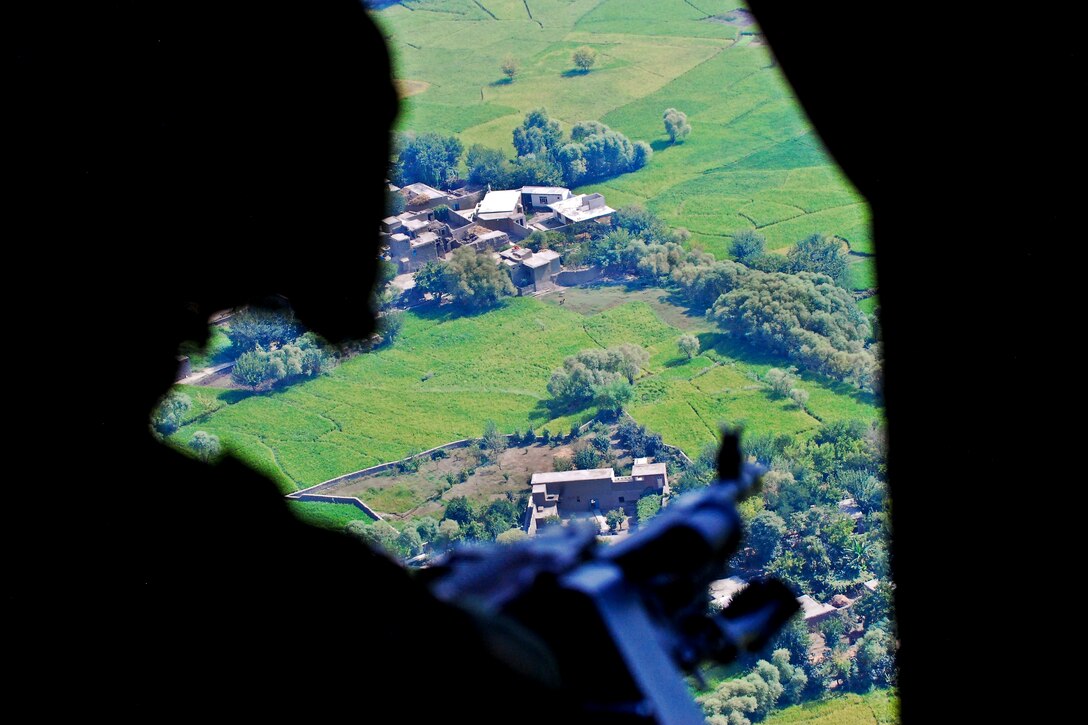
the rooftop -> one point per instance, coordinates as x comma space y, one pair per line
648, 469
811, 609
544, 190
583, 207
425, 238
535, 261
399, 237
587, 474
499, 202
422, 189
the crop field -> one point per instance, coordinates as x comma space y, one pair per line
447, 374
877, 707
752, 160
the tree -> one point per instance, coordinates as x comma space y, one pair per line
799, 396
820, 254
432, 278
590, 374
747, 246
643, 152
476, 281
493, 440
765, 533
168, 414
648, 506
390, 325
585, 456
689, 345
614, 394
460, 509
205, 445
427, 528
806, 318
251, 369
486, 166
676, 125
561, 463
781, 381
380, 535
538, 135
509, 67
511, 536
615, 519
256, 327
387, 271
449, 531
409, 543
394, 203
428, 158
584, 58
793, 677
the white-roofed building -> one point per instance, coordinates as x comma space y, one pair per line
581, 208
542, 196
500, 205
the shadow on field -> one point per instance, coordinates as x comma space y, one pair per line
660, 144
501, 82
574, 72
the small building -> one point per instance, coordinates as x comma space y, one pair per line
531, 272
542, 196
419, 196
411, 253
499, 205
581, 208
591, 491
814, 611
482, 239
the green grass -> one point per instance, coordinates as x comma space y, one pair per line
877, 707
332, 516
448, 374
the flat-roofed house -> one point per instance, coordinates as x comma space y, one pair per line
542, 196
581, 208
591, 491
531, 272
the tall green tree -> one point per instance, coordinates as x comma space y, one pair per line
676, 125
205, 445
689, 345
476, 281
258, 327
538, 135
747, 245
584, 58
493, 441
509, 67
428, 158
169, 413
820, 254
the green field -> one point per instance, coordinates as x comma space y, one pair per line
877, 707
447, 374
332, 516
752, 160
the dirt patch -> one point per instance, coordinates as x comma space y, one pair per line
425, 492
740, 17
220, 380
406, 88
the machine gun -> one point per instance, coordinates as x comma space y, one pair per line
623, 623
